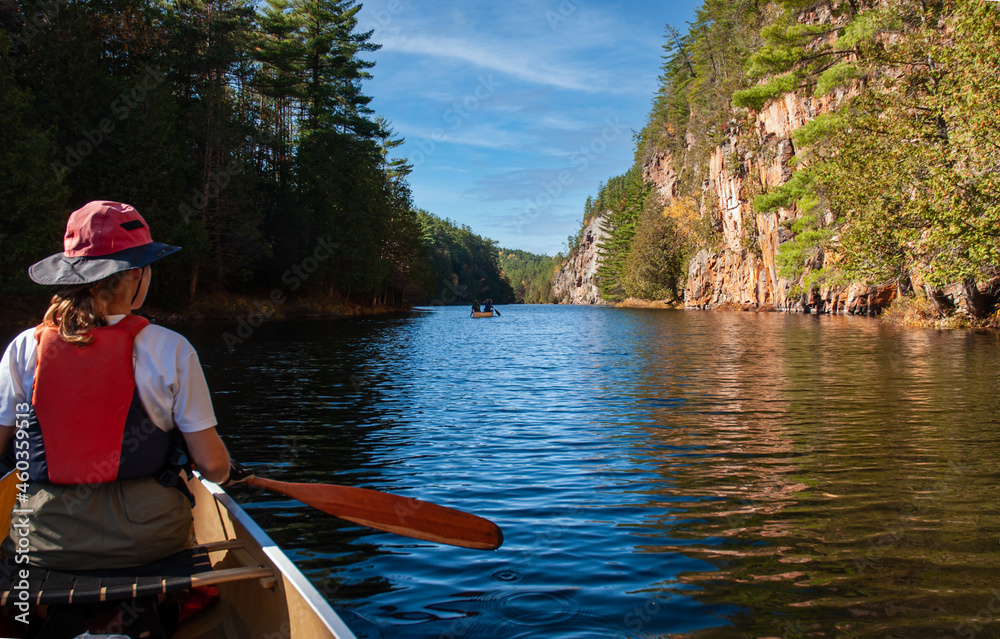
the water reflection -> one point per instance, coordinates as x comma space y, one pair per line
655, 473
828, 492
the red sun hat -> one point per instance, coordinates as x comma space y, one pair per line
102, 238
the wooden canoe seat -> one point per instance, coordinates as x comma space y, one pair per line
186, 569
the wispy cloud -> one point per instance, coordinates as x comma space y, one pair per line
506, 103
485, 136
510, 60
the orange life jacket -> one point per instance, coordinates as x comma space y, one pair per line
86, 424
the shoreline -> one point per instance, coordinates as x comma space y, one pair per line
635, 302
903, 312
219, 307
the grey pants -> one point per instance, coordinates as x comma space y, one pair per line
91, 527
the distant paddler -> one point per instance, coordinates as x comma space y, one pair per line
489, 308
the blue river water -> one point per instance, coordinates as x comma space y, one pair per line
656, 473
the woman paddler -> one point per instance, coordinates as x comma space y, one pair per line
93, 399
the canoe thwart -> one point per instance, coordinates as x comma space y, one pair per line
186, 569
225, 544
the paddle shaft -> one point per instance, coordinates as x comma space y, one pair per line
392, 513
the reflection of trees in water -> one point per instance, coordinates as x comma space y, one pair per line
836, 475
833, 471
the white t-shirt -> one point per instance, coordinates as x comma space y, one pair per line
168, 375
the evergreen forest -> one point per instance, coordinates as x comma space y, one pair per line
529, 275
462, 266
241, 135
240, 132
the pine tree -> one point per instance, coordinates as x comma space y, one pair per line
279, 51
333, 69
623, 197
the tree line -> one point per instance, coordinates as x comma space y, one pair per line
239, 130
530, 275
242, 133
462, 266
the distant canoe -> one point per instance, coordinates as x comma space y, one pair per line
476, 314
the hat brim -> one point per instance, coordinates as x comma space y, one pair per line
74, 271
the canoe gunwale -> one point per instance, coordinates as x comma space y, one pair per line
289, 571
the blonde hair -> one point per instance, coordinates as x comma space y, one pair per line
76, 310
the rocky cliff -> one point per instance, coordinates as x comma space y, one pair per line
720, 161
575, 283
741, 270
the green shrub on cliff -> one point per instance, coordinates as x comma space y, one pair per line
905, 170
655, 267
623, 198
909, 166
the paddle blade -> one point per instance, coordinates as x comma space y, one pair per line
393, 513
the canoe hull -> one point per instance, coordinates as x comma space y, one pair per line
270, 598
287, 606
478, 315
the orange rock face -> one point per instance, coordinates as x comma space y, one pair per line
743, 272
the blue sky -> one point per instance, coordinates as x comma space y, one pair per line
515, 111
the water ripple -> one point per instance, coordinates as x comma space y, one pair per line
656, 473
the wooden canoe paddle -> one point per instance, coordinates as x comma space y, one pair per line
392, 513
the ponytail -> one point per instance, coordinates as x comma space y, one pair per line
76, 310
